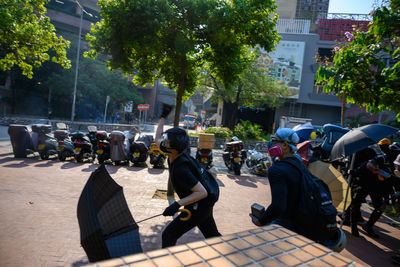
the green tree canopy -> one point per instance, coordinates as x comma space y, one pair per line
26, 36
172, 39
254, 87
366, 69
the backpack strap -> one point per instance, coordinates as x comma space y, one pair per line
296, 166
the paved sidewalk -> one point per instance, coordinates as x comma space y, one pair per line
38, 200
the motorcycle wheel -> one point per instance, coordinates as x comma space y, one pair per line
100, 159
79, 158
44, 155
62, 156
236, 169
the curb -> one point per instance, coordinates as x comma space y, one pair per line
6, 154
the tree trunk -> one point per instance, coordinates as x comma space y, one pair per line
343, 110
179, 94
233, 119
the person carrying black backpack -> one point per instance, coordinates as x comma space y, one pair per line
288, 178
197, 191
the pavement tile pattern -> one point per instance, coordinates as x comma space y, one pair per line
224, 251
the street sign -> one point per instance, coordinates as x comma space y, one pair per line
140, 107
203, 112
128, 107
145, 106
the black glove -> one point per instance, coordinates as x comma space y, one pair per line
166, 109
172, 209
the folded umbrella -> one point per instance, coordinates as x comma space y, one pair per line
334, 179
107, 227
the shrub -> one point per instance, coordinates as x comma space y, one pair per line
220, 132
247, 130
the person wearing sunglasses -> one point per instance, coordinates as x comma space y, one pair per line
192, 194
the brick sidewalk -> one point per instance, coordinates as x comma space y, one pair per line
38, 201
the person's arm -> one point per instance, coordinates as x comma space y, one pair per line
279, 198
198, 193
160, 130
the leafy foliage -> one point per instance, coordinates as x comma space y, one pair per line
247, 130
366, 70
255, 85
26, 36
173, 39
220, 132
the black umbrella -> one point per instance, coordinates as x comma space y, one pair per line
355, 141
359, 139
107, 227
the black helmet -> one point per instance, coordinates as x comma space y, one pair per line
175, 138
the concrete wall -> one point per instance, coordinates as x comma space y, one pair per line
321, 108
286, 9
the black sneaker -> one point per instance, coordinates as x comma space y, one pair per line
370, 231
354, 231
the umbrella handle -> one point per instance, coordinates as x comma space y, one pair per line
187, 217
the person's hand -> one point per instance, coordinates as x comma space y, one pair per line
166, 109
255, 220
172, 209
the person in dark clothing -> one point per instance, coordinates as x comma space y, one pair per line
192, 194
284, 180
368, 182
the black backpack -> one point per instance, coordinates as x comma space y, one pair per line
315, 216
206, 178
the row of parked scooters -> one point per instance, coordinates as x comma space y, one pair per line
117, 146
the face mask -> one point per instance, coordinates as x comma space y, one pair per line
275, 151
164, 145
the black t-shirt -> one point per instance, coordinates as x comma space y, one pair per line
182, 176
284, 180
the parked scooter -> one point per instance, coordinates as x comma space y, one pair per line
103, 146
82, 146
157, 157
139, 149
47, 144
204, 150
234, 155
205, 157
65, 148
119, 147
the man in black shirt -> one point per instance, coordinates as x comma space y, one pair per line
174, 142
284, 180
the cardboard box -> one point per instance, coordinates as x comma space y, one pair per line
206, 144
206, 137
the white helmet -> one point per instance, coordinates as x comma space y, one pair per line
341, 241
338, 243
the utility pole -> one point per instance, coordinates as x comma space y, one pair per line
77, 65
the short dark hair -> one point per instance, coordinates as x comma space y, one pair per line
178, 138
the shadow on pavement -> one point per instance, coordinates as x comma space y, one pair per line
69, 165
155, 171
244, 180
81, 262
373, 251
91, 167
7, 159
47, 163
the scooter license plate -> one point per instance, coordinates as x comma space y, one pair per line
60, 148
41, 146
136, 154
78, 149
100, 151
204, 160
236, 159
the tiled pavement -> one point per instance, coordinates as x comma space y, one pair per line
38, 199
